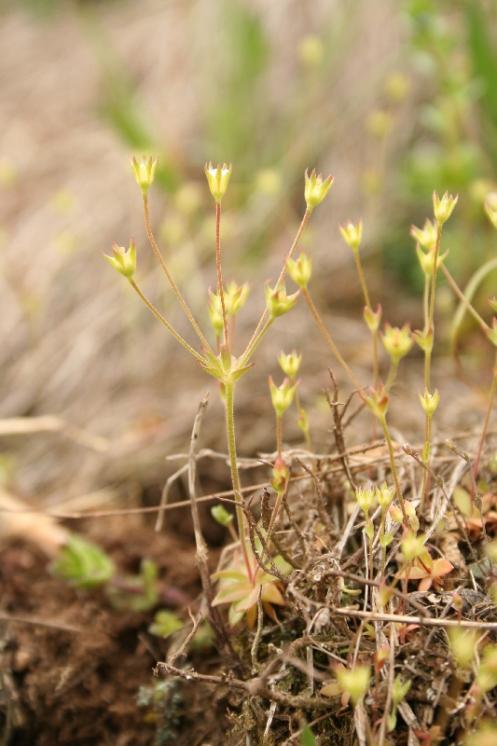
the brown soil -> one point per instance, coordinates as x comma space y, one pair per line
82, 687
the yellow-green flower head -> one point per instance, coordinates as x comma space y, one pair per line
354, 682
278, 302
372, 318
123, 260
491, 207
426, 236
412, 546
366, 498
397, 341
290, 363
300, 270
443, 207
235, 297
316, 188
384, 496
352, 234
282, 395
216, 313
218, 178
430, 402
144, 170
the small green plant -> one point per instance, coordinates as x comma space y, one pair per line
83, 564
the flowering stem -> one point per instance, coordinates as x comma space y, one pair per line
469, 307
279, 434
491, 399
235, 477
219, 272
165, 322
392, 374
300, 230
393, 467
184, 305
255, 342
367, 300
328, 338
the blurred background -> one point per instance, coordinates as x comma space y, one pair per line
395, 98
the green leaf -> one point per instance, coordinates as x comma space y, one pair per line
165, 624
83, 564
307, 737
221, 515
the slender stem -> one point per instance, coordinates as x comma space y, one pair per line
255, 342
362, 279
279, 434
469, 307
165, 322
281, 277
219, 272
393, 467
376, 358
328, 338
392, 374
184, 305
491, 399
235, 477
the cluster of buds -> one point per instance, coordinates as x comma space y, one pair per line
290, 364
300, 270
278, 302
282, 395
352, 235
281, 475
443, 207
123, 260
430, 402
354, 682
397, 341
144, 171
491, 207
218, 178
316, 189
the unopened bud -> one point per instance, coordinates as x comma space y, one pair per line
397, 341
290, 363
282, 395
218, 178
144, 170
352, 235
300, 270
426, 236
316, 188
372, 318
123, 260
278, 302
443, 207
430, 402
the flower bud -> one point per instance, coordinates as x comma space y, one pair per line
372, 318
430, 402
397, 341
366, 498
427, 260
316, 188
235, 297
281, 475
278, 302
412, 546
384, 496
352, 235
424, 340
144, 170
443, 207
282, 395
216, 313
300, 270
378, 403
426, 236
218, 178
290, 364
123, 260
491, 207
354, 682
